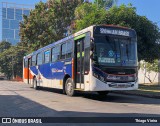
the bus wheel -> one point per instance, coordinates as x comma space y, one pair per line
35, 84
69, 87
102, 93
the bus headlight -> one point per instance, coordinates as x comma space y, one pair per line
99, 77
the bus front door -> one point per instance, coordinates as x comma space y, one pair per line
79, 79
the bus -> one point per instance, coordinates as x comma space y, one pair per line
99, 58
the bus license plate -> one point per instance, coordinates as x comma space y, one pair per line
121, 86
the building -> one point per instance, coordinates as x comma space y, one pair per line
12, 15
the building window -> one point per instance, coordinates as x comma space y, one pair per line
5, 23
10, 13
4, 13
18, 14
14, 24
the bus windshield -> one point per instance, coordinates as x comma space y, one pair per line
115, 51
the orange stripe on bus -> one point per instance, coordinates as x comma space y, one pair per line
26, 73
26, 70
30, 75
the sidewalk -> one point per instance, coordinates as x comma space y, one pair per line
152, 91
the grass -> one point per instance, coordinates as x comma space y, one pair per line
147, 90
149, 87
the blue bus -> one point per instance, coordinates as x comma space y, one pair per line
99, 58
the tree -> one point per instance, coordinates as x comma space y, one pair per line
47, 23
11, 61
88, 14
4, 45
147, 31
105, 3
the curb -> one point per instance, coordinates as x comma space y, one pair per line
137, 94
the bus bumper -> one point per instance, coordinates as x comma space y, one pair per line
98, 85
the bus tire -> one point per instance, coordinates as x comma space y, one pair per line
102, 93
69, 87
35, 84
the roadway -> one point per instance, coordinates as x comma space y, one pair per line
20, 100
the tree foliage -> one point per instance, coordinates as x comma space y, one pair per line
4, 45
147, 31
47, 22
149, 67
88, 14
106, 4
11, 61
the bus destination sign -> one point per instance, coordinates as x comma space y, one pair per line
114, 32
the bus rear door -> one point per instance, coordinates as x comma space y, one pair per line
27, 75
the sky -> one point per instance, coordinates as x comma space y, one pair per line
148, 8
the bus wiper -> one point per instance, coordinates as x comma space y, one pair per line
112, 46
127, 52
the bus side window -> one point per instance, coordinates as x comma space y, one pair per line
63, 51
58, 52
33, 60
39, 59
26, 63
69, 49
47, 56
55, 53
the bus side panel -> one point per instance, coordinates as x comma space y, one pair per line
58, 71
68, 67
33, 72
44, 75
52, 74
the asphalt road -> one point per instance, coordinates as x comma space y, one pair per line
20, 100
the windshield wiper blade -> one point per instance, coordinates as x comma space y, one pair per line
127, 52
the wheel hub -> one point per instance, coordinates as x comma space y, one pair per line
69, 87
